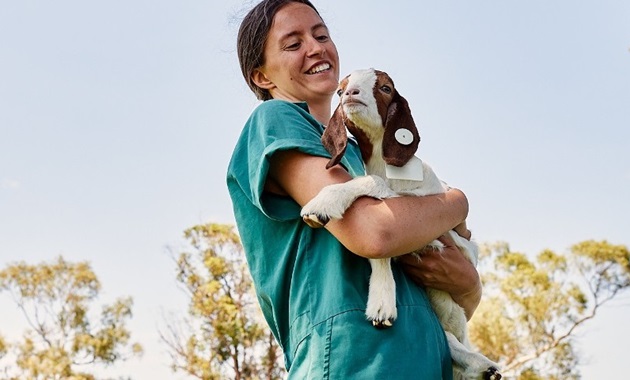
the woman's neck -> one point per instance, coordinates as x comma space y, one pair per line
320, 111
319, 108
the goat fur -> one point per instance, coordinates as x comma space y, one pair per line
380, 119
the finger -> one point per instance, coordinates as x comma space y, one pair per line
410, 260
447, 240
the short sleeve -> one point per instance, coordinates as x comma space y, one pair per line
274, 126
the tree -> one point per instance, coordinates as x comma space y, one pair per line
532, 309
224, 335
63, 339
3, 347
527, 321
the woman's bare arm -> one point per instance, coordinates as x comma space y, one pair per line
392, 227
371, 228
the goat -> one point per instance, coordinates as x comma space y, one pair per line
380, 119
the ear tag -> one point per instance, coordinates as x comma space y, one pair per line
403, 136
413, 170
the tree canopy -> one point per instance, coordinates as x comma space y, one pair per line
224, 335
63, 339
532, 307
531, 310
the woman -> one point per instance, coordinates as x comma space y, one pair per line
312, 284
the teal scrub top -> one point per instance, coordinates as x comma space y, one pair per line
312, 290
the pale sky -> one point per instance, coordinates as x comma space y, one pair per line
117, 121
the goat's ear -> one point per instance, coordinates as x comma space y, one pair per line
335, 137
401, 137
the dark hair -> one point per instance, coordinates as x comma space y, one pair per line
252, 36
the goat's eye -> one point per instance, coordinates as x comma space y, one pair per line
386, 89
339, 91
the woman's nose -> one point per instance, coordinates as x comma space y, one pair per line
315, 48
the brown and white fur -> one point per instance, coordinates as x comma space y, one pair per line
380, 119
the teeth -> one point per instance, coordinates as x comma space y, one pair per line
319, 68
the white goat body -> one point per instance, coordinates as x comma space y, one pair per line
380, 119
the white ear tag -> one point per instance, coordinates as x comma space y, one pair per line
403, 136
413, 170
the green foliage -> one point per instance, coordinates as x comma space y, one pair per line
527, 320
532, 308
55, 298
224, 336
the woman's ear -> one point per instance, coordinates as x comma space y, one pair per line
261, 80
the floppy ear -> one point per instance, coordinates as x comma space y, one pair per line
335, 137
401, 137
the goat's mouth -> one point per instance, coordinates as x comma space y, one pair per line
319, 68
352, 102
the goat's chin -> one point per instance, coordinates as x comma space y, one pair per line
354, 108
364, 120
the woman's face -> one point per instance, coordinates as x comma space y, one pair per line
301, 61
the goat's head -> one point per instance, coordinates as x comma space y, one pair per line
375, 113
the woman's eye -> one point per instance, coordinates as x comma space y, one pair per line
294, 46
322, 38
386, 89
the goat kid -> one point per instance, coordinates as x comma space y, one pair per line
380, 119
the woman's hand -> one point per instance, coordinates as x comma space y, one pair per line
449, 271
463, 231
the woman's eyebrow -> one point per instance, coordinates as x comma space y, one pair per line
296, 33
319, 26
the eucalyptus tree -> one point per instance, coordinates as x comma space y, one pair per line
63, 340
223, 335
533, 307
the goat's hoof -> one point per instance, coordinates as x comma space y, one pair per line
314, 221
382, 324
492, 373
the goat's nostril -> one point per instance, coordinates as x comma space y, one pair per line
353, 91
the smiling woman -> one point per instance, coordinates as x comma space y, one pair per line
299, 60
312, 284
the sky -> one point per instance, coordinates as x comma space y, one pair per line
117, 121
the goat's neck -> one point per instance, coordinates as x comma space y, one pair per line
370, 140
375, 165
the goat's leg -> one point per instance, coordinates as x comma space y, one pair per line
472, 365
333, 200
381, 305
